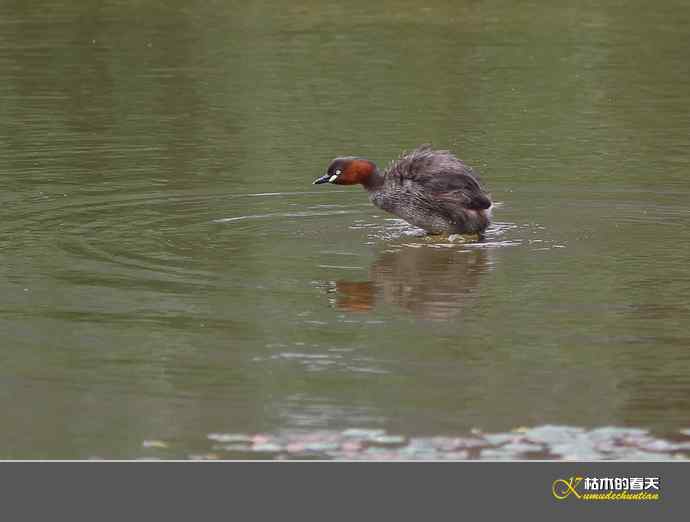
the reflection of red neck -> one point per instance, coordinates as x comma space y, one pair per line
355, 296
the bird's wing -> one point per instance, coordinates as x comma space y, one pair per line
464, 199
456, 190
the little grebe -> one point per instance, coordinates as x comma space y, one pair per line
431, 189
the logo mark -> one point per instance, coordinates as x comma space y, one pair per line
562, 488
607, 488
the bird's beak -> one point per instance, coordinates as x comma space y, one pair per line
323, 179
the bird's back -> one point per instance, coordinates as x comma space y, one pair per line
436, 191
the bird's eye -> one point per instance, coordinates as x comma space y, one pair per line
337, 172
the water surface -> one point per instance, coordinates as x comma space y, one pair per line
170, 273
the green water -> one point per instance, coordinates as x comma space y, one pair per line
168, 270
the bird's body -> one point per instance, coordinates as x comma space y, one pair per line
430, 189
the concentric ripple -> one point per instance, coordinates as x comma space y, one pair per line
110, 236
115, 235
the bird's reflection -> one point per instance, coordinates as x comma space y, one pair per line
432, 283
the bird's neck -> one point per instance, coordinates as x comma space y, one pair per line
373, 181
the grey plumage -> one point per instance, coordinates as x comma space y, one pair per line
434, 190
